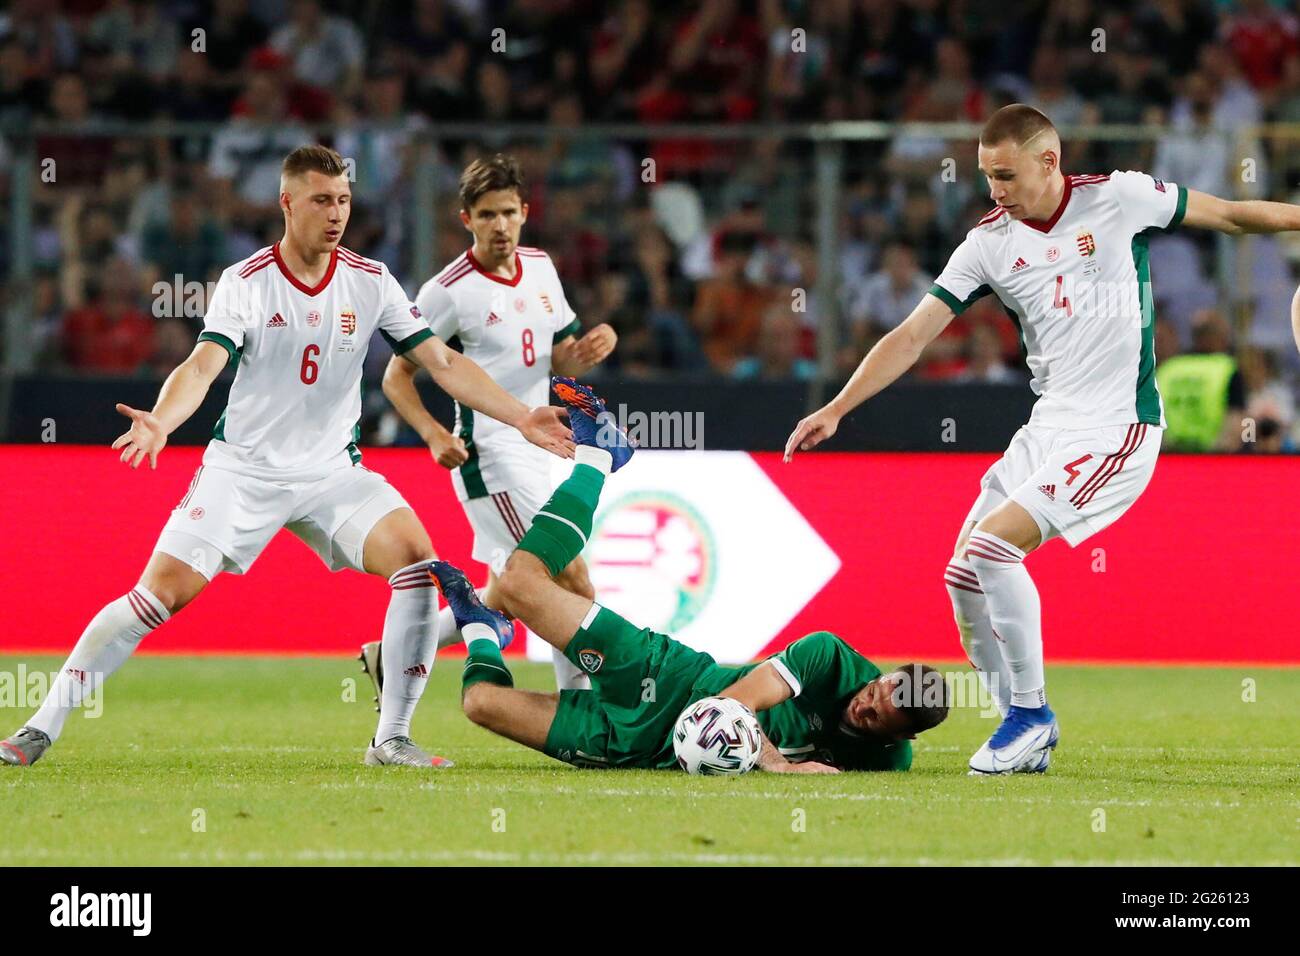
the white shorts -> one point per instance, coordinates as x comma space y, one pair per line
1074, 482
500, 520
226, 519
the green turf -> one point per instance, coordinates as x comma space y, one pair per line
270, 752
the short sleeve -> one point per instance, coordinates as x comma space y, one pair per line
400, 321
1148, 203
810, 663
962, 281
439, 309
226, 319
566, 320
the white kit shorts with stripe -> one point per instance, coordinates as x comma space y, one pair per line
501, 520
227, 519
1074, 481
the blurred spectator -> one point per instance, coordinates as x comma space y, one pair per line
45, 35
1261, 39
1194, 153
188, 243
1270, 403
230, 34
78, 160
876, 303
1176, 29
1203, 391
111, 333
728, 306
779, 347
140, 37
173, 342
983, 359
326, 50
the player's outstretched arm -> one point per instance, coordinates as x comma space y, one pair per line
1237, 217
180, 397
759, 690
1295, 317
891, 357
464, 381
576, 357
447, 449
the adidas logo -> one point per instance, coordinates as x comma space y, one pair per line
416, 670
492, 319
1049, 491
277, 322
1020, 264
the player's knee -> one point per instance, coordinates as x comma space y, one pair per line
574, 579
476, 702
174, 591
514, 587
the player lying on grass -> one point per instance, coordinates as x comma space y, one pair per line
822, 706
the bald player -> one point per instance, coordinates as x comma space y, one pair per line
1067, 257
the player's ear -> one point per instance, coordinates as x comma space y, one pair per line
464, 218
523, 212
284, 200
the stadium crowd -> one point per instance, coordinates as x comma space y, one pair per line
708, 269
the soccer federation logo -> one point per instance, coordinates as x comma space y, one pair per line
1086, 244
313, 320
590, 660
348, 322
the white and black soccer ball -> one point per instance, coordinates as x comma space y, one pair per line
717, 736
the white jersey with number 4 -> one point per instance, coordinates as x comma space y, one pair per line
1079, 288
508, 327
295, 403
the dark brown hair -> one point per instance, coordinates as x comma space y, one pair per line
488, 175
315, 158
922, 695
1018, 123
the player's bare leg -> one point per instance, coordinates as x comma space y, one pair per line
166, 586
576, 580
523, 716
398, 549
996, 549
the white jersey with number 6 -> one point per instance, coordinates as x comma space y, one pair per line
295, 403
508, 327
1079, 288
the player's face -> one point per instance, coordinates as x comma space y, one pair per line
317, 208
872, 710
496, 221
1019, 178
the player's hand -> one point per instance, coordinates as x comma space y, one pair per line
450, 452
594, 347
812, 431
547, 426
809, 766
145, 437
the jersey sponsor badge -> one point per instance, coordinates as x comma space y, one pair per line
1160, 185
493, 319
591, 660
1020, 264
1049, 491
313, 320
1087, 246
277, 322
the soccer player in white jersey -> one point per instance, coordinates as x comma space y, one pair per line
505, 303
1067, 257
296, 318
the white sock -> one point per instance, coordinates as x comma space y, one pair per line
568, 676
983, 649
409, 645
479, 632
597, 458
1015, 614
447, 631
103, 647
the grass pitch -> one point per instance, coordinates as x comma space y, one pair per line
209, 761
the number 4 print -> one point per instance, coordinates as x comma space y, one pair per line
1061, 302
1072, 469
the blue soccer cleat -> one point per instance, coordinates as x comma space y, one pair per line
1023, 743
592, 423
466, 606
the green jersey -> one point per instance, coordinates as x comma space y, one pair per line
824, 673
642, 680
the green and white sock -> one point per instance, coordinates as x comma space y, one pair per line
562, 526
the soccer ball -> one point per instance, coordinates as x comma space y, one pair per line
717, 736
